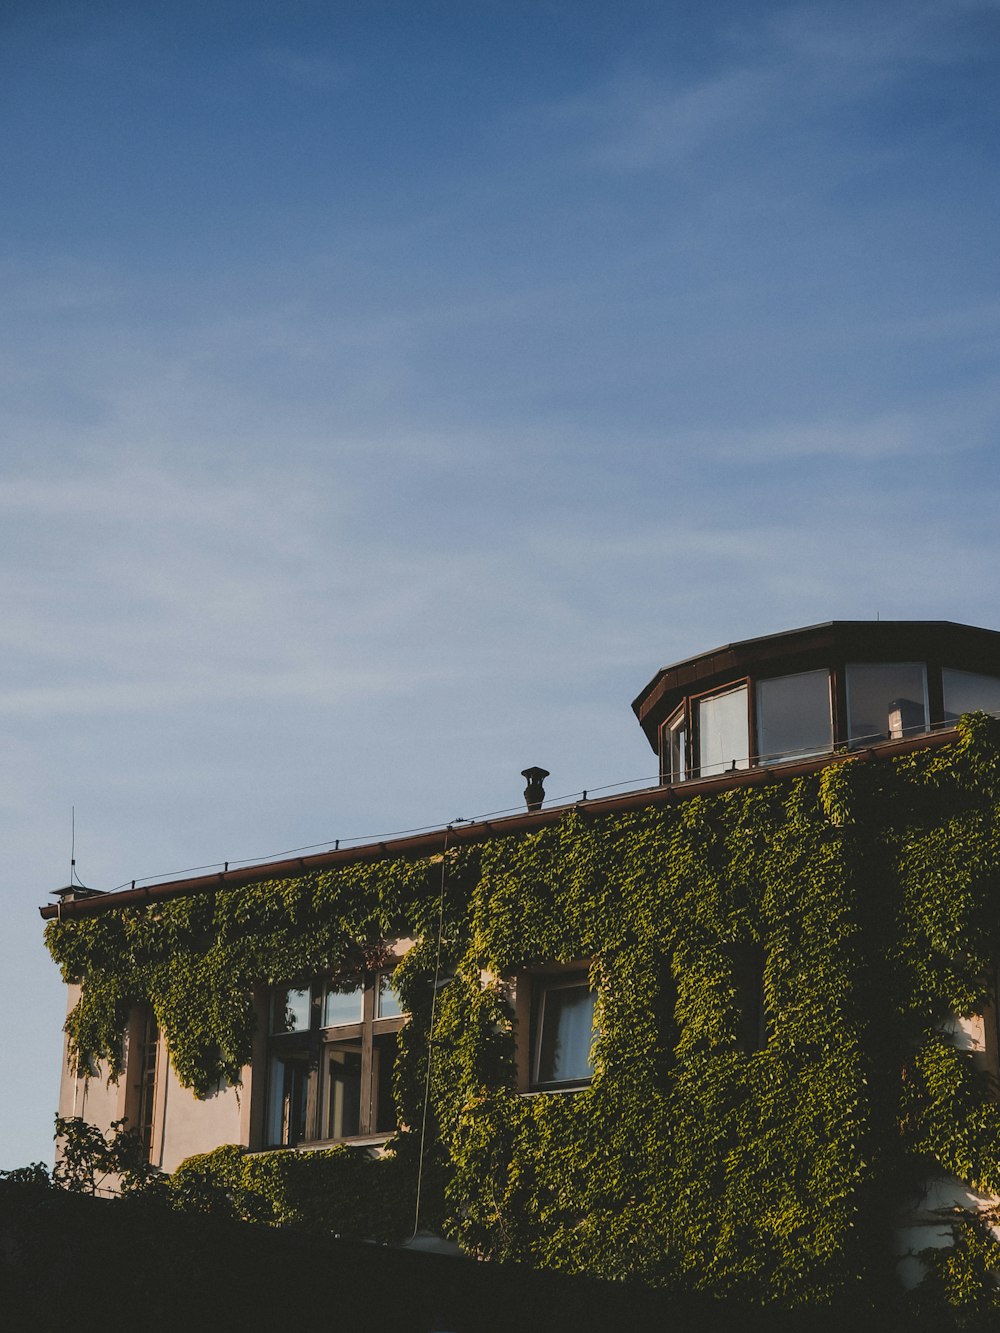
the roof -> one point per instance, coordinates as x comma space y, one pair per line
946, 642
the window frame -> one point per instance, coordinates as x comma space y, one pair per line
694, 701
763, 760
948, 716
529, 990
678, 721
864, 742
371, 1037
143, 1103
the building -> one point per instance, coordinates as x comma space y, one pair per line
735, 1032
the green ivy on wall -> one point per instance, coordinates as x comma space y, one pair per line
775, 968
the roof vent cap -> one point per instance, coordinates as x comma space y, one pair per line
534, 792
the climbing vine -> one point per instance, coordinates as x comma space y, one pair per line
777, 967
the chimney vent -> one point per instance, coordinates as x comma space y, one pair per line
534, 792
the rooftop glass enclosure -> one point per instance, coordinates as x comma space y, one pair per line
846, 684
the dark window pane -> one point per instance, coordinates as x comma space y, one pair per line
286, 1120
384, 1057
290, 1010
564, 1034
885, 701
344, 1003
723, 732
793, 716
342, 1093
748, 975
148, 1049
965, 692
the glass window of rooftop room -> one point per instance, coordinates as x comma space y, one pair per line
290, 1010
886, 701
965, 692
674, 747
793, 716
344, 1004
723, 732
564, 1033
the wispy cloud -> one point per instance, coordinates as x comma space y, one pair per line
313, 72
638, 122
952, 424
777, 69
892, 35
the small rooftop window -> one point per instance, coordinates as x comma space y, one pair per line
965, 692
674, 747
723, 732
885, 701
794, 718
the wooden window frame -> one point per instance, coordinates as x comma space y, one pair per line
678, 719
694, 724
142, 1106
529, 987
369, 1038
929, 669
761, 761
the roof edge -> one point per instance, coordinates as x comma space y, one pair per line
440, 840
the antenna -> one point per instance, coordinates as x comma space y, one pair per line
75, 888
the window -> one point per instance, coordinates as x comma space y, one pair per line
793, 716
387, 1003
290, 1011
286, 1118
562, 1031
674, 747
965, 692
140, 1106
723, 732
343, 1004
885, 701
747, 960
142, 1093
333, 1050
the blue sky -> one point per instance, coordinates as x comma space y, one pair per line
388, 390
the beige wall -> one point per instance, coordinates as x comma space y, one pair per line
93, 1099
182, 1125
185, 1126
